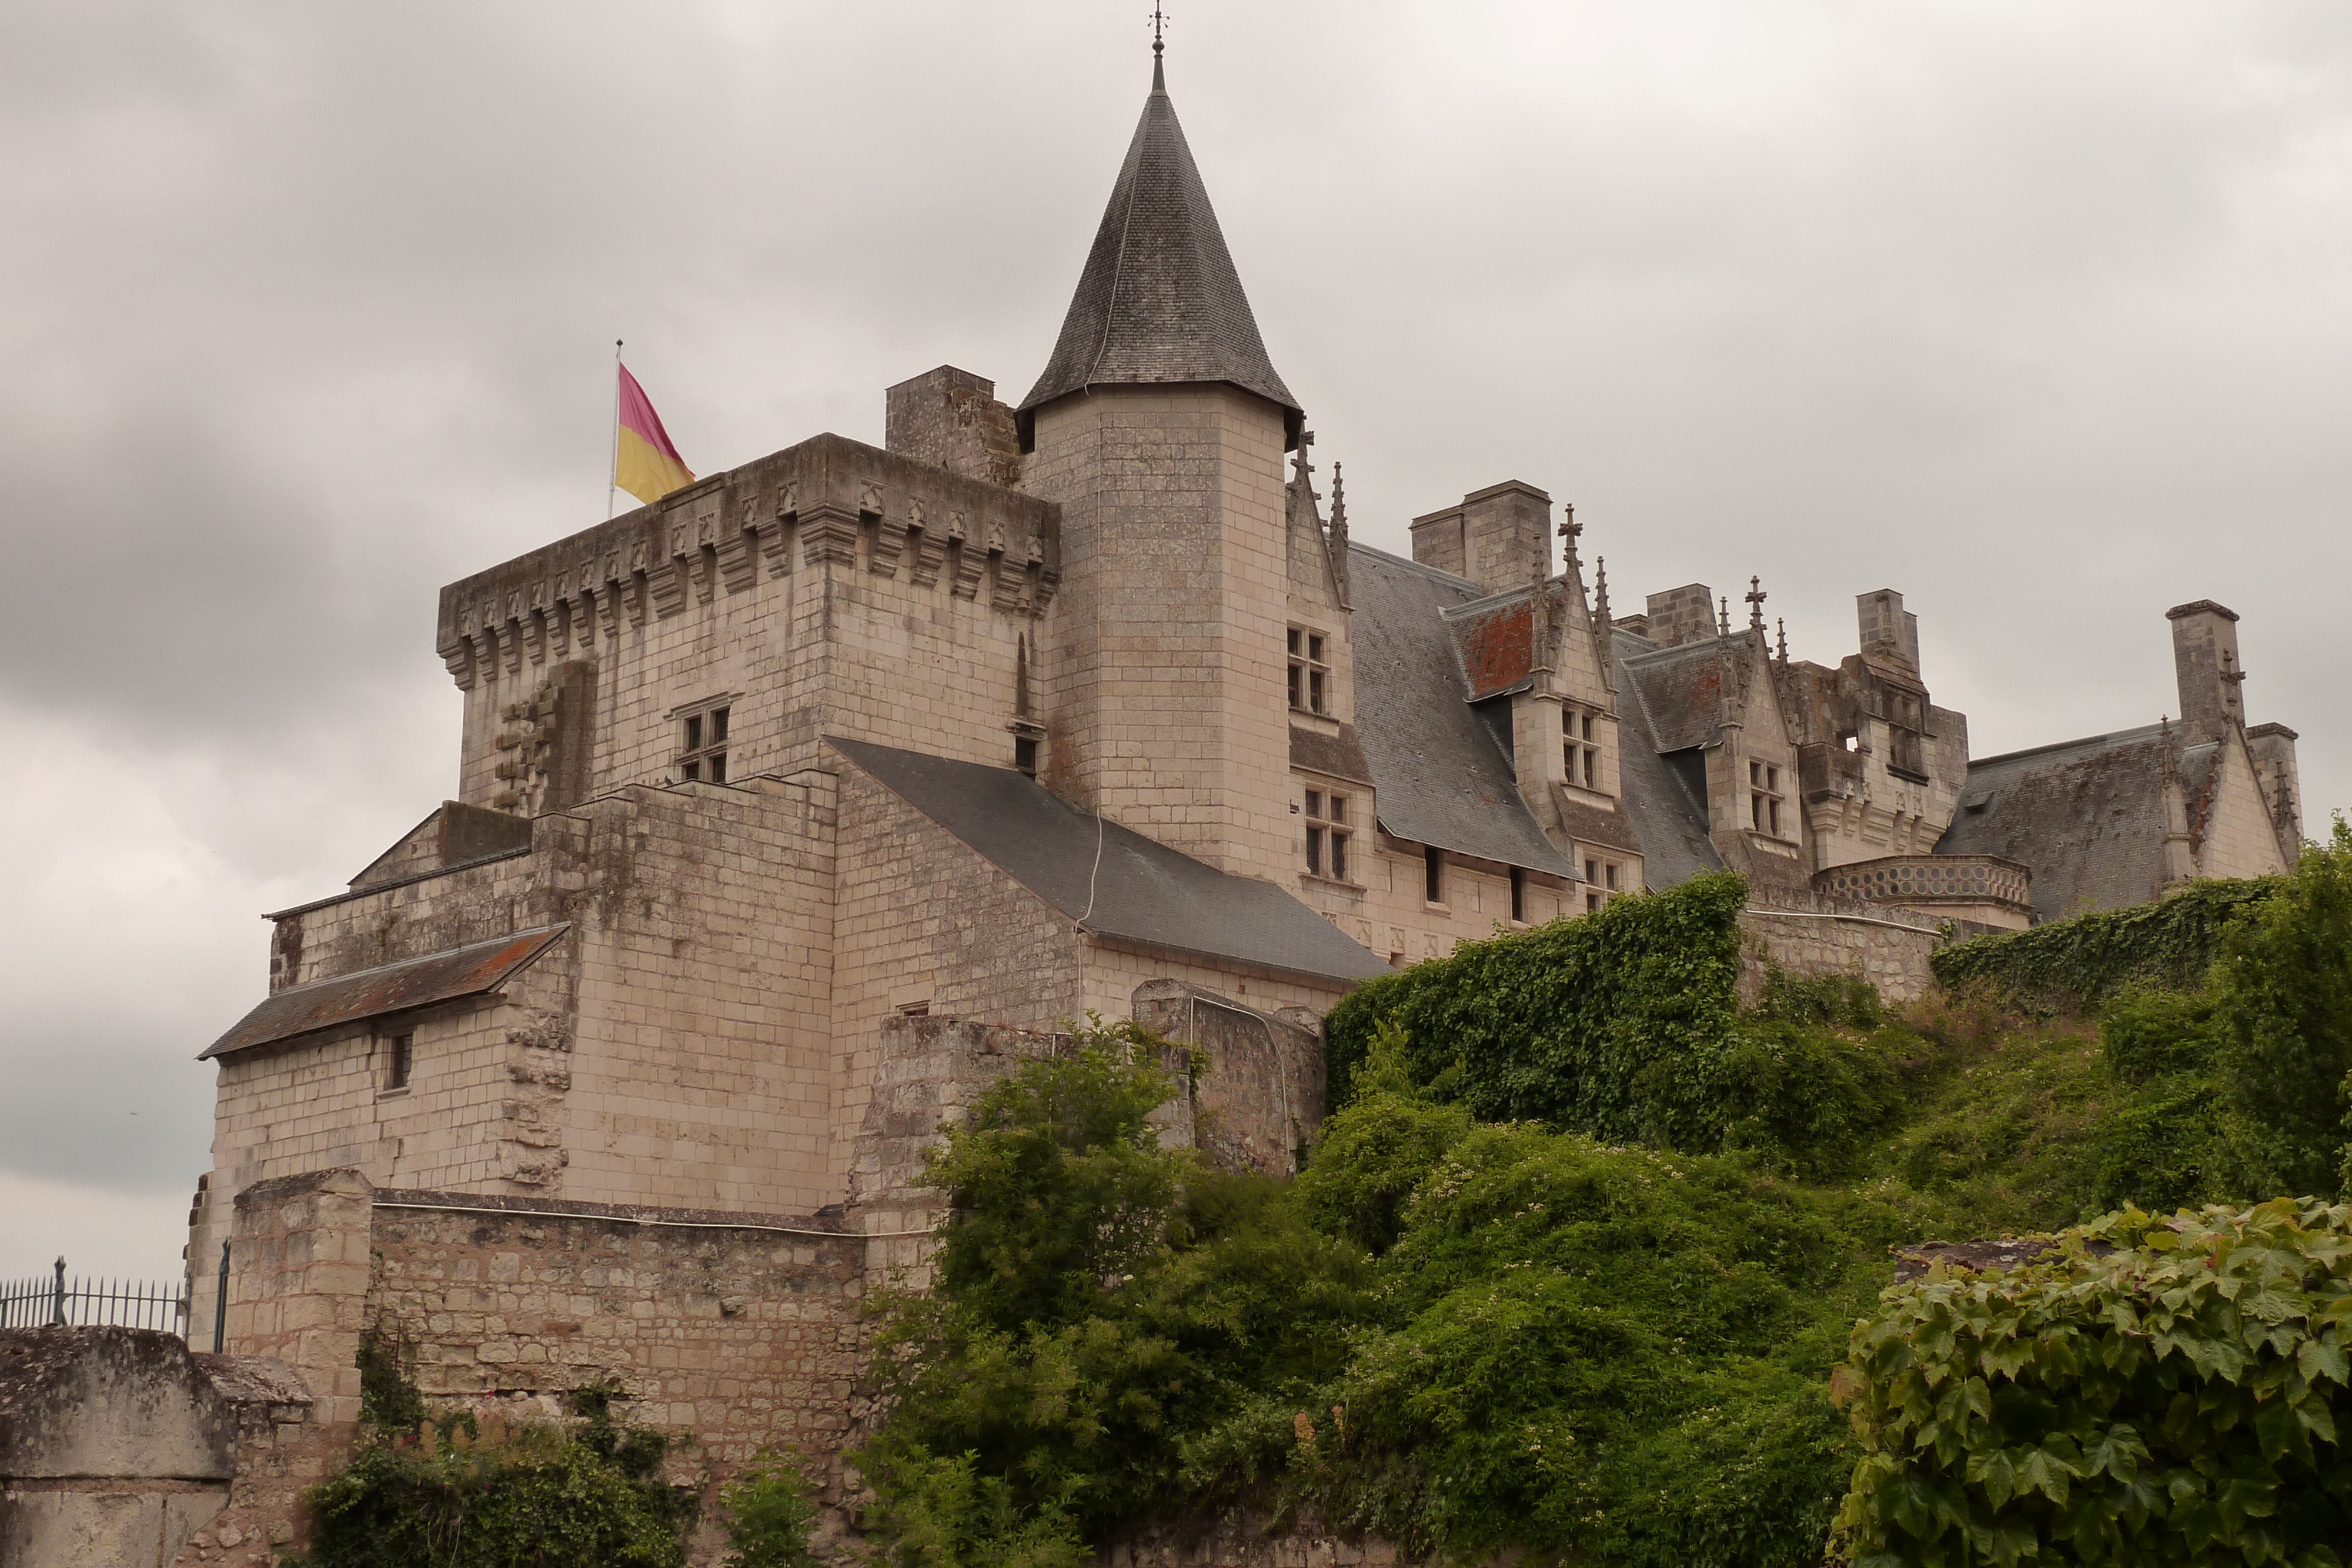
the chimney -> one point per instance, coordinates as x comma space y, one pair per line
950, 419
1498, 538
2205, 662
1680, 615
1889, 631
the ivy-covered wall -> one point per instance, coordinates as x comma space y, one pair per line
2074, 965
1612, 1024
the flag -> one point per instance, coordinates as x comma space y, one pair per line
644, 462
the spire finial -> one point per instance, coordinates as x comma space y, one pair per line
1159, 44
1569, 530
1783, 625
1723, 616
1601, 591
1756, 603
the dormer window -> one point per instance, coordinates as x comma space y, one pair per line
1764, 799
1310, 673
702, 744
1582, 752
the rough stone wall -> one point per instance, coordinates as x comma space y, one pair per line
1165, 670
1260, 1101
119, 1449
1807, 935
1241, 1539
675, 1046
924, 921
739, 1331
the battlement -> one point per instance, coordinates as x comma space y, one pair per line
826, 501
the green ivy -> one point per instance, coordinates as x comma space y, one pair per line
2075, 965
463, 1492
2155, 1392
1614, 1023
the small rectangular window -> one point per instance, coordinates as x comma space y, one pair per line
1608, 874
1592, 767
1433, 873
1025, 754
1591, 902
1588, 726
1326, 838
1593, 871
399, 1060
1310, 675
702, 744
1518, 894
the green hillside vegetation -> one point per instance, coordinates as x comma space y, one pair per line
1582, 1241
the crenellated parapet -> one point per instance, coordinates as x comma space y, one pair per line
828, 505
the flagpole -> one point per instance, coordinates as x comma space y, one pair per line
612, 468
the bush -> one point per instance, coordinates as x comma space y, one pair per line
1613, 1023
1099, 1300
766, 1512
2072, 966
1616, 1354
2155, 1392
463, 1493
2282, 1021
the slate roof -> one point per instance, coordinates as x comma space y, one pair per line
2086, 815
1144, 892
1681, 687
445, 976
1670, 820
1159, 300
1441, 777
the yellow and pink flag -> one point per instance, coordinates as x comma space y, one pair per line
644, 462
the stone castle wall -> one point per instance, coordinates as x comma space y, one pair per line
831, 588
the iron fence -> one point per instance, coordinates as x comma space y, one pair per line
125, 1303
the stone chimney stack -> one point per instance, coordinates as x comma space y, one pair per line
1498, 538
1889, 631
951, 420
1680, 615
2205, 662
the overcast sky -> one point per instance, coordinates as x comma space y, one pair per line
2040, 313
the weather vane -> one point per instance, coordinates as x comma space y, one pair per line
1159, 22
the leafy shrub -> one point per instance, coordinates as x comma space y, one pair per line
1098, 1299
389, 1399
2072, 966
2176, 1400
1609, 1352
2282, 1017
766, 1512
463, 1493
1613, 1023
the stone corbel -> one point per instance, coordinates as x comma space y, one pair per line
968, 561
776, 530
1008, 577
457, 655
828, 536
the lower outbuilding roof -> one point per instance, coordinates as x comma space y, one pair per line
444, 977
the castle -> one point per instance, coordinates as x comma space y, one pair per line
787, 800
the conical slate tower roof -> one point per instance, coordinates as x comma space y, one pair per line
1159, 300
